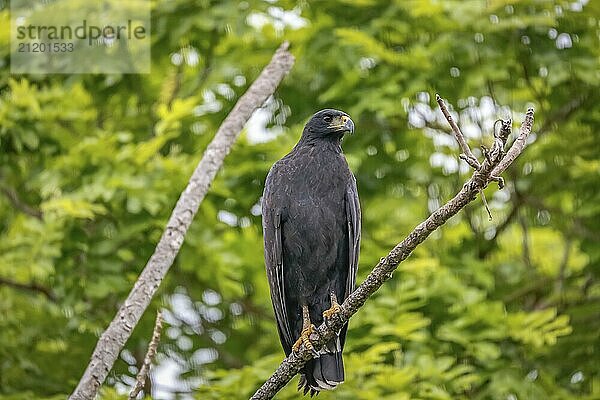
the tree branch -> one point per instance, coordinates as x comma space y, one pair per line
467, 154
32, 287
140, 380
12, 195
387, 265
518, 146
113, 339
563, 113
559, 286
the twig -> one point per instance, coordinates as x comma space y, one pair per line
172, 85
562, 269
541, 283
208, 56
563, 113
33, 287
467, 154
386, 266
525, 243
518, 145
500, 139
485, 204
12, 195
140, 380
113, 339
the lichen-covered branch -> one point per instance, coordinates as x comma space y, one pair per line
113, 339
142, 375
494, 163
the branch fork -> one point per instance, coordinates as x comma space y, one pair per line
493, 155
466, 155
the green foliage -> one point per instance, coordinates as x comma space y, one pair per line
91, 166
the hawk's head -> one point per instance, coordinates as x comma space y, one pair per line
329, 123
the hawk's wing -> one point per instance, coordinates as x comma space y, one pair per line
353, 216
274, 265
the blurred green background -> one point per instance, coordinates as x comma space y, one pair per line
91, 166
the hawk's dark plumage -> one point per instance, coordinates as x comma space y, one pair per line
311, 223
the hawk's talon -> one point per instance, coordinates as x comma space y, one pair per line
304, 339
333, 310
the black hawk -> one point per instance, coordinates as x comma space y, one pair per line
311, 226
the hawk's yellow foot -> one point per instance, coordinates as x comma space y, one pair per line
334, 309
305, 339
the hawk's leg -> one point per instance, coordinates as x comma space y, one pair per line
307, 329
334, 309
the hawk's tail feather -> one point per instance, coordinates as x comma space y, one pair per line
323, 373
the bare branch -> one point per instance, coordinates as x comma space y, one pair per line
113, 339
467, 154
387, 265
140, 380
485, 204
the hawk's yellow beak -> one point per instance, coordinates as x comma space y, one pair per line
343, 123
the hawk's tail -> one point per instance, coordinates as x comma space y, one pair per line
325, 372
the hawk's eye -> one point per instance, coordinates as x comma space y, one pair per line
327, 118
